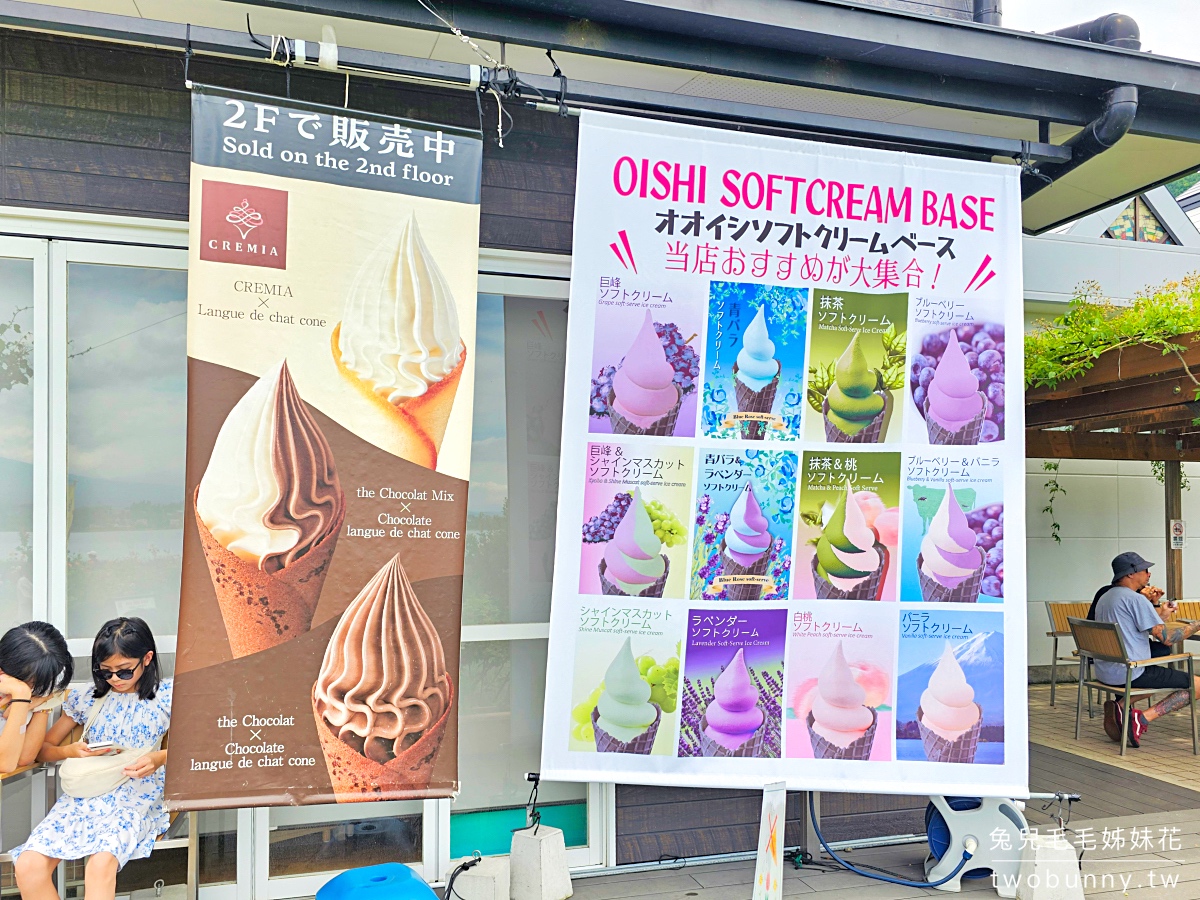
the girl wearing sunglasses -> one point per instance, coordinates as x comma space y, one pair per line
35, 665
127, 706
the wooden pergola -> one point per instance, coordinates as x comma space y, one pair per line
1137, 403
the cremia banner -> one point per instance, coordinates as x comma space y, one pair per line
789, 447
331, 340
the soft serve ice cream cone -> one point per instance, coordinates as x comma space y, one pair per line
948, 717
634, 564
732, 724
856, 406
950, 566
400, 346
840, 725
954, 405
383, 695
850, 562
645, 398
624, 720
756, 375
269, 508
744, 547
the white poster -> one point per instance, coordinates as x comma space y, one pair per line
787, 453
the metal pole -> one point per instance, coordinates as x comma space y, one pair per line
193, 856
809, 842
1173, 494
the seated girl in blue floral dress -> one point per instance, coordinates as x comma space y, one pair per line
35, 666
129, 705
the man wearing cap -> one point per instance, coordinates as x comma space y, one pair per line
1132, 605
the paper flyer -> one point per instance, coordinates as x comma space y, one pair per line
331, 353
742, 547
849, 532
634, 507
950, 693
785, 496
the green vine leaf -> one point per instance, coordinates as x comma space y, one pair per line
1068, 346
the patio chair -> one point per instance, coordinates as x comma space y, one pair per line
1102, 641
1058, 613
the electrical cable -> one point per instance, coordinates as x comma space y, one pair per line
476, 859
812, 811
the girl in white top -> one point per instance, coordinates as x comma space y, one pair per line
35, 667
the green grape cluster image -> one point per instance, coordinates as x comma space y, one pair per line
667, 527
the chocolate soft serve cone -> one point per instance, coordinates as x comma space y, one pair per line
383, 695
269, 508
400, 346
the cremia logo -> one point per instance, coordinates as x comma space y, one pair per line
244, 218
259, 220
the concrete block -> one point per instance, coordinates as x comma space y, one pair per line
538, 865
487, 880
1049, 870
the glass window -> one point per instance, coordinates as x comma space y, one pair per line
322, 839
16, 440
500, 739
512, 503
126, 429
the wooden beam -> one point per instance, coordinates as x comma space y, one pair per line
1173, 495
1110, 403
1165, 417
1110, 445
1116, 366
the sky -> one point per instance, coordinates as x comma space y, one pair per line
1159, 20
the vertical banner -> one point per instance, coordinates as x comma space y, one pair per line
331, 338
788, 448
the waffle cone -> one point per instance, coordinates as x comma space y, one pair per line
968, 434
641, 745
356, 778
731, 567
966, 592
263, 609
857, 749
960, 750
655, 590
751, 401
872, 434
870, 588
664, 427
418, 424
751, 748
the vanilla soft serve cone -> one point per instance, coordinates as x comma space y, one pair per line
269, 508
948, 717
400, 346
383, 695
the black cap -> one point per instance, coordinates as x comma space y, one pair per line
1127, 563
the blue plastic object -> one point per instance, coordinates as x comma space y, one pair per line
386, 881
938, 831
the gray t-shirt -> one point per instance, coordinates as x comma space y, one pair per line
1134, 617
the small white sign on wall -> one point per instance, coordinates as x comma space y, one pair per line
1178, 534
